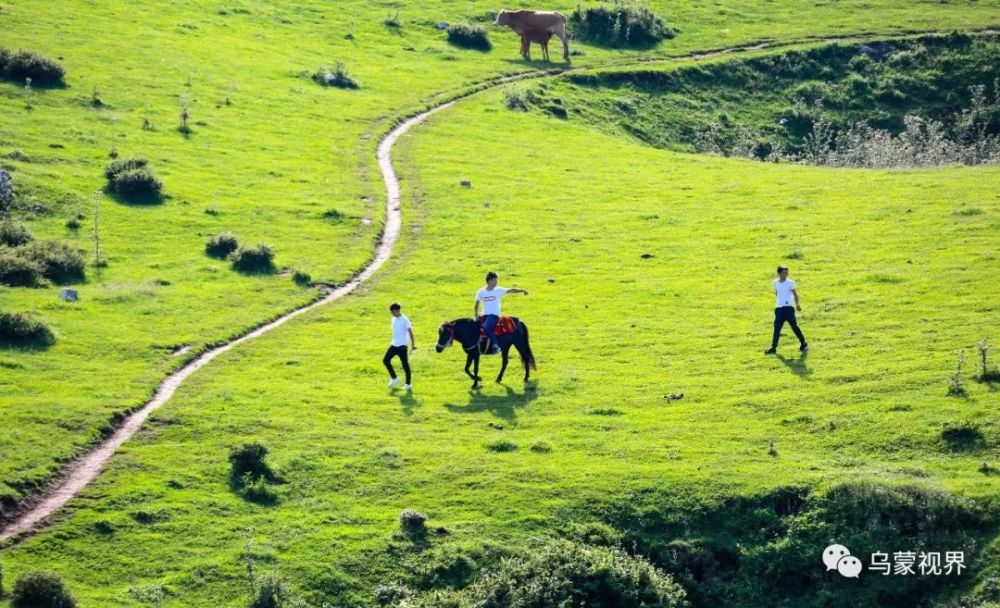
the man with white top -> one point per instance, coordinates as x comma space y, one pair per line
490, 297
784, 310
402, 334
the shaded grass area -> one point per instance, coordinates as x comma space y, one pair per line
613, 329
774, 101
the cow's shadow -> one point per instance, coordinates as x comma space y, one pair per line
504, 406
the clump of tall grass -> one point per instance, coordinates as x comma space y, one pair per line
18, 66
469, 36
337, 76
620, 23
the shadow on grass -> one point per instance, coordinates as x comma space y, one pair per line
150, 200
408, 401
797, 365
505, 406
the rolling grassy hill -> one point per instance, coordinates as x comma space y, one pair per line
649, 274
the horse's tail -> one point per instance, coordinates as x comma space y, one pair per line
527, 356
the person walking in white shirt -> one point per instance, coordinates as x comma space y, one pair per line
402, 334
490, 297
784, 311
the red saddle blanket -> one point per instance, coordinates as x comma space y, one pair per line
504, 326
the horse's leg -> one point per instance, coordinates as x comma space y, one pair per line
525, 47
468, 363
545, 48
520, 351
475, 379
504, 350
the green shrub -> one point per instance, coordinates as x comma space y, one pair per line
501, 445
117, 167
221, 245
14, 235
301, 278
518, 99
337, 76
138, 185
273, 592
133, 180
619, 24
20, 65
249, 458
59, 262
564, 573
18, 271
259, 259
469, 36
410, 520
40, 590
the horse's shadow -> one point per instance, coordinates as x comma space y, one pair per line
503, 406
797, 366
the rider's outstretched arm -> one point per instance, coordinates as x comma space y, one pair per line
517, 290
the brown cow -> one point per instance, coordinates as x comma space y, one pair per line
541, 37
538, 22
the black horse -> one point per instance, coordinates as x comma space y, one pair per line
467, 333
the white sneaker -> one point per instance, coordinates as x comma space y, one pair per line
407, 387
393, 382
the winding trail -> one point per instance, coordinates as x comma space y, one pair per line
79, 473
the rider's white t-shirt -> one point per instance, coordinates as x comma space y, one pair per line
784, 291
491, 299
400, 326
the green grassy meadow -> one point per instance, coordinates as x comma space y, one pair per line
649, 272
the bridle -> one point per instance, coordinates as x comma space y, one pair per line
450, 327
451, 333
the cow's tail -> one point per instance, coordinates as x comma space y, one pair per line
526, 355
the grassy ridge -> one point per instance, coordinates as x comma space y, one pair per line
613, 332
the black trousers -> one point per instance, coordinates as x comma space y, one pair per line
781, 315
397, 351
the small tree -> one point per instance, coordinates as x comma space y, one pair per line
956, 386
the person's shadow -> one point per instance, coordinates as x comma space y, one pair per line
407, 400
798, 365
504, 406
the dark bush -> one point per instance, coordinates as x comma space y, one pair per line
117, 167
259, 259
19, 329
14, 235
411, 520
619, 24
23, 64
249, 459
336, 76
40, 590
469, 36
59, 262
301, 278
564, 573
221, 245
138, 185
18, 271
133, 180
273, 592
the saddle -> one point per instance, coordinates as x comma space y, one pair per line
504, 326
